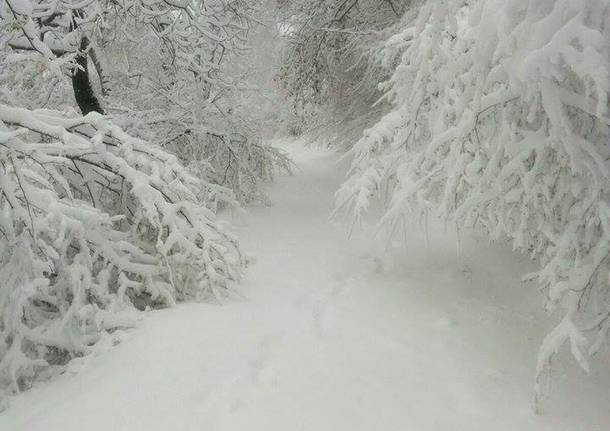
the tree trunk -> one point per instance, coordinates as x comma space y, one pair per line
83, 91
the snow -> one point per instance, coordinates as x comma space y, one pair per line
333, 333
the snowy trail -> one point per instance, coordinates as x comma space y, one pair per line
329, 337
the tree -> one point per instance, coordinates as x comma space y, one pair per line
330, 69
499, 121
99, 218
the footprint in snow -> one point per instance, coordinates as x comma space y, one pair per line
261, 370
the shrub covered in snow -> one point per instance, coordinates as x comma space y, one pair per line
94, 223
500, 121
100, 216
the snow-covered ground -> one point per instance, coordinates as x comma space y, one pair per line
333, 334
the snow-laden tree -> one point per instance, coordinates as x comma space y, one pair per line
213, 127
330, 70
166, 72
204, 110
99, 218
500, 122
94, 222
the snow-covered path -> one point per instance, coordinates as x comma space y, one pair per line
330, 337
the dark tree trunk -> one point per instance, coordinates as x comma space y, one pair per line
83, 91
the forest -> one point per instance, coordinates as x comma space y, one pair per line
305, 214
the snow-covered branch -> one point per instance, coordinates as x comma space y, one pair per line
500, 122
95, 223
